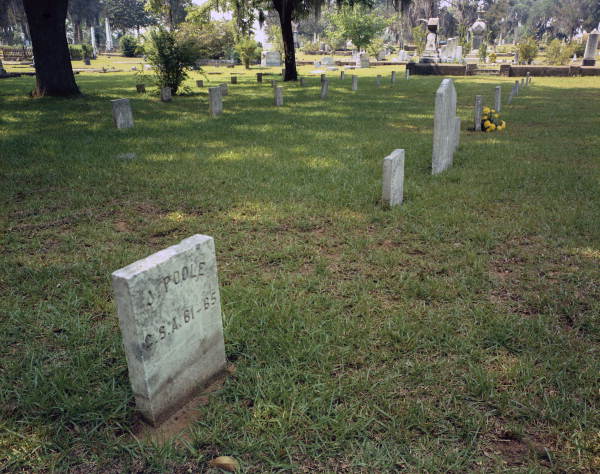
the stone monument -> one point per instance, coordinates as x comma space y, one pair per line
591, 49
170, 317
270, 59
393, 178
430, 55
122, 115
477, 30
446, 127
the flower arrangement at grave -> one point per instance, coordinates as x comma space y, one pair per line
490, 121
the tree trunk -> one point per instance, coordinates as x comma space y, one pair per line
54, 74
285, 10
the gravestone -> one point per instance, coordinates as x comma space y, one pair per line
342, 75
270, 59
122, 115
199, 83
259, 77
354, 83
224, 89
477, 113
511, 95
393, 178
323, 77
498, 99
362, 60
407, 74
140, 88
87, 61
170, 317
215, 101
591, 49
445, 129
165, 94
234, 79
527, 78
324, 89
516, 89
378, 80
328, 61
278, 96
393, 78
273, 83
302, 83
522, 82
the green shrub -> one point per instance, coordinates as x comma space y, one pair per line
558, 53
171, 57
483, 52
419, 34
493, 58
375, 47
311, 47
81, 51
528, 49
129, 46
248, 51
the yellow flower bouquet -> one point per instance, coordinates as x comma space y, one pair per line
490, 121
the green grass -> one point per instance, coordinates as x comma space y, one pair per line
457, 333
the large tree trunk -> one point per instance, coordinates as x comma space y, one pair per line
285, 10
54, 74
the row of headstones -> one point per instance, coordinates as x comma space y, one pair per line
123, 115
514, 92
169, 305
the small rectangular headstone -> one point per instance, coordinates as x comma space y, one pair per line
224, 89
324, 88
393, 178
323, 78
278, 96
516, 88
393, 78
170, 317
342, 75
498, 99
215, 101
302, 83
378, 80
477, 113
510, 96
273, 83
122, 115
234, 79
407, 74
259, 77
165, 94
354, 83
199, 83
522, 82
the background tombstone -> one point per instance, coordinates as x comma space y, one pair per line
170, 317
591, 49
516, 88
199, 83
323, 77
165, 94
302, 83
444, 127
407, 74
393, 78
324, 88
259, 77
342, 75
354, 83
511, 95
273, 83
215, 101
477, 113
278, 96
122, 115
522, 82
224, 89
234, 79
527, 78
378, 80
498, 99
393, 178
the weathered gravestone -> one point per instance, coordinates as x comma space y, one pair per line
477, 113
591, 49
170, 317
215, 101
122, 115
498, 99
393, 178
224, 89
302, 83
511, 95
393, 78
407, 74
378, 80
324, 88
278, 96
354, 83
199, 83
445, 130
165, 94
234, 79
516, 89
259, 77
323, 77
342, 75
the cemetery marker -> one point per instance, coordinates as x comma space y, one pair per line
393, 178
477, 113
278, 96
215, 101
122, 115
498, 99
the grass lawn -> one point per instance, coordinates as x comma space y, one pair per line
459, 332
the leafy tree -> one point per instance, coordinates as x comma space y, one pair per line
249, 50
419, 34
559, 53
128, 14
171, 56
172, 12
129, 46
357, 24
83, 12
213, 40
